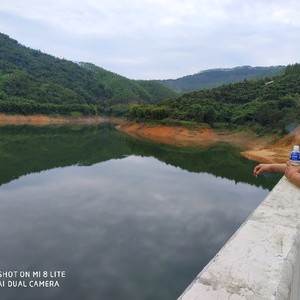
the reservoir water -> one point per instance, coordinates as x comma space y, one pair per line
104, 216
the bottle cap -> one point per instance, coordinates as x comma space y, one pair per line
296, 148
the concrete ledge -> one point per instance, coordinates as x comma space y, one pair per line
261, 260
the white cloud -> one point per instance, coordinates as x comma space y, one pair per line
155, 38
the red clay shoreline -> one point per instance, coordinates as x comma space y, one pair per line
259, 149
44, 120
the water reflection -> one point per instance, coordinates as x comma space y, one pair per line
127, 228
25, 149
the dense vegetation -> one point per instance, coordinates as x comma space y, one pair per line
216, 77
266, 104
34, 82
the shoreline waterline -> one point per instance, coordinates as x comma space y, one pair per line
44, 120
260, 149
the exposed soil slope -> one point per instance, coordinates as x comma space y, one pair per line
275, 152
256, 148
42, 120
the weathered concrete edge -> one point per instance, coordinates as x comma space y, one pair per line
261, 260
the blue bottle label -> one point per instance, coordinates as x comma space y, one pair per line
295, 156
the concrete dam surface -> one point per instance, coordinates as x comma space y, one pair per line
261, 261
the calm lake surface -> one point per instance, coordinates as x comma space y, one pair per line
124, 219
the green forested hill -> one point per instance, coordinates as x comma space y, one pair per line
124, 90
35, 82
216, 77
264, 105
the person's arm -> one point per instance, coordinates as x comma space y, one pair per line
261, 168
293, 173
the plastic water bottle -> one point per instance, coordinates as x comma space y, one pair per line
295, 156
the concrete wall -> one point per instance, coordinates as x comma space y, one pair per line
261, 260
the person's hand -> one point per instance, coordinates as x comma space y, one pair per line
290, 169
261, 168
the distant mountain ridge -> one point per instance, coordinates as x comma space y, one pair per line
268, 105
34, 82
212, 78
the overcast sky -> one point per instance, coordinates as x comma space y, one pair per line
158, 39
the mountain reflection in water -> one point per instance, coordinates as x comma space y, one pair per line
125, 219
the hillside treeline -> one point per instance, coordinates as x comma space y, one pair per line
35, 82
266, 104
32, 82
